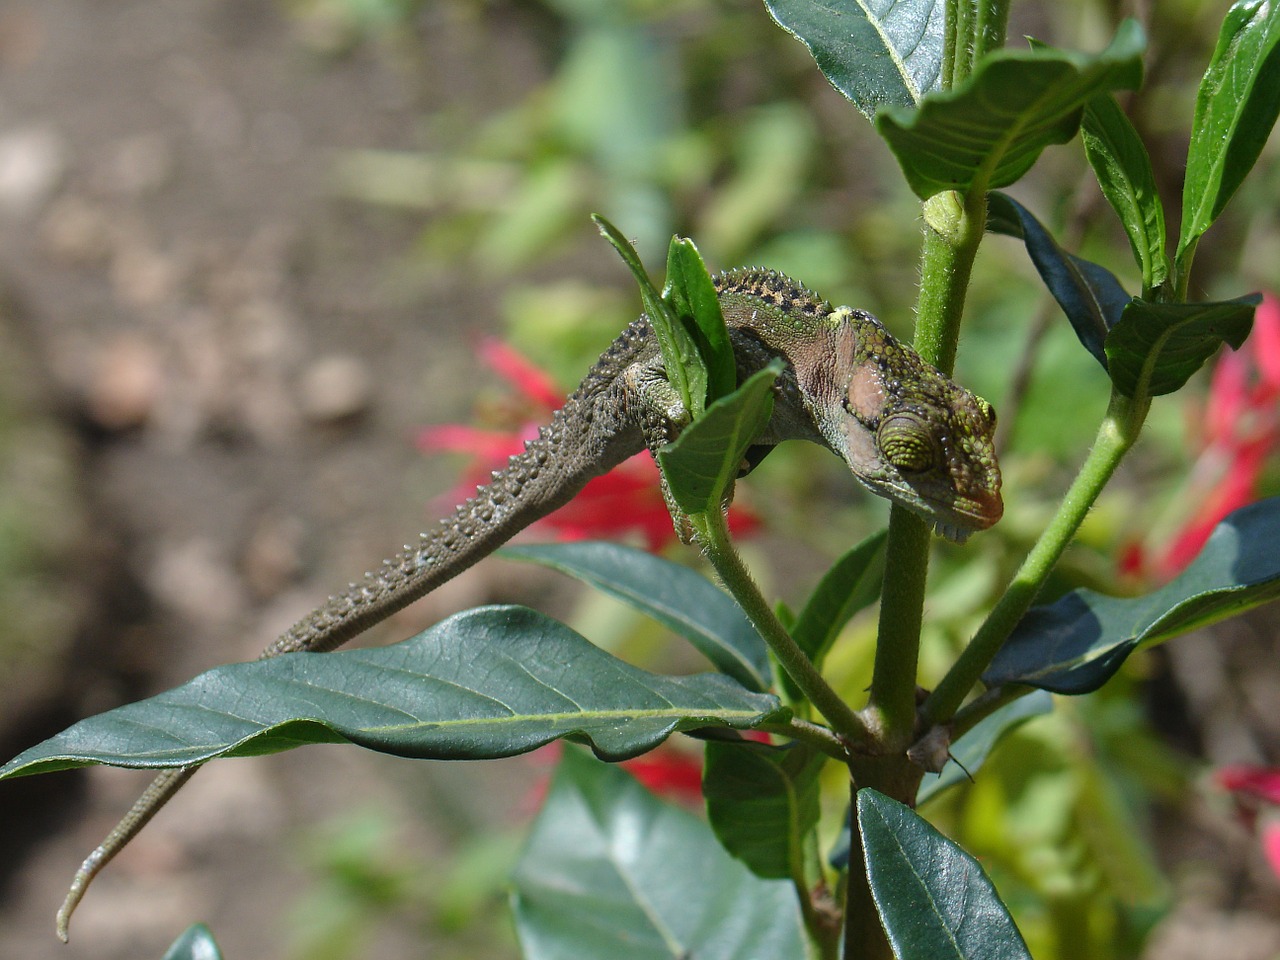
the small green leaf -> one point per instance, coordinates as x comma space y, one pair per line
611, 871
491, 682
196, 943
1089, 294
1076, 644
851, 584
987, 132
1236, 108
934, 899
691, 294
1123, 168
1156, 347
762, 802
970, 752
685, 369
701, 463
875, 57
682, 600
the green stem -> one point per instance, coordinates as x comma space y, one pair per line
949, 42
1116, 435
978, 709
962, 39
713, 534
813, 734
893, 679
953, 231
989, 33
864, 936
823, 933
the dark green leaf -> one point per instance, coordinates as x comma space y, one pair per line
701, 463
970, 752
1156, 347
762, 802
1123, 168
680, 599
934, 899
685, 369
691, 295
1076, 644
1089, 294
851, 584
1236, 108
987, 132
486, 683
874, 54
611, 871
196, 943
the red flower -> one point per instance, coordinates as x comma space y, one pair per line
666, 771
1240, 431
1254, 789
627, 500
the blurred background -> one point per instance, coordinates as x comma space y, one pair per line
251, 250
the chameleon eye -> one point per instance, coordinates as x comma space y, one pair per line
988, 411
906, 443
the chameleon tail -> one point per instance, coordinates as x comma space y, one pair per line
144, 808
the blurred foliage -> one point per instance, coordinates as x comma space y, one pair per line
700, 117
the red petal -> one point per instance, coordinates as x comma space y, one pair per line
1266, 341
1271, 846
536, 384
1260, 782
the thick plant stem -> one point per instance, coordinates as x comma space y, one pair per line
893, 679
864, 936
953, 230
713, 534
1116, 435
989, 31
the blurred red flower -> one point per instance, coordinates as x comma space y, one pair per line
625, 501
1255, 789
1239, 432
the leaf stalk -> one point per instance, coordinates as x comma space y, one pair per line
713, 534
1116, 434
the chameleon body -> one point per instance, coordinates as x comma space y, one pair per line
906, 431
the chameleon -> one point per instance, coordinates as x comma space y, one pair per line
905, 430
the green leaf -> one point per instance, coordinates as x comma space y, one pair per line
611, 871
700, 464
196, 943
682, 600
970, 752
762, 802
1123, 168
686, 371
987, 132
851, 584
874, 54
486, 683
1076, 644
934, 899
1089, 294
691, 294
1156, 347
1236, 108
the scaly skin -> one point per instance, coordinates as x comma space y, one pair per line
907, 432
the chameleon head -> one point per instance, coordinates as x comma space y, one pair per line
908, 432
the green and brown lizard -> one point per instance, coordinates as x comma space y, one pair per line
906, 431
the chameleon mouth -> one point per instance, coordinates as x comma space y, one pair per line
962, 523
952, 531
